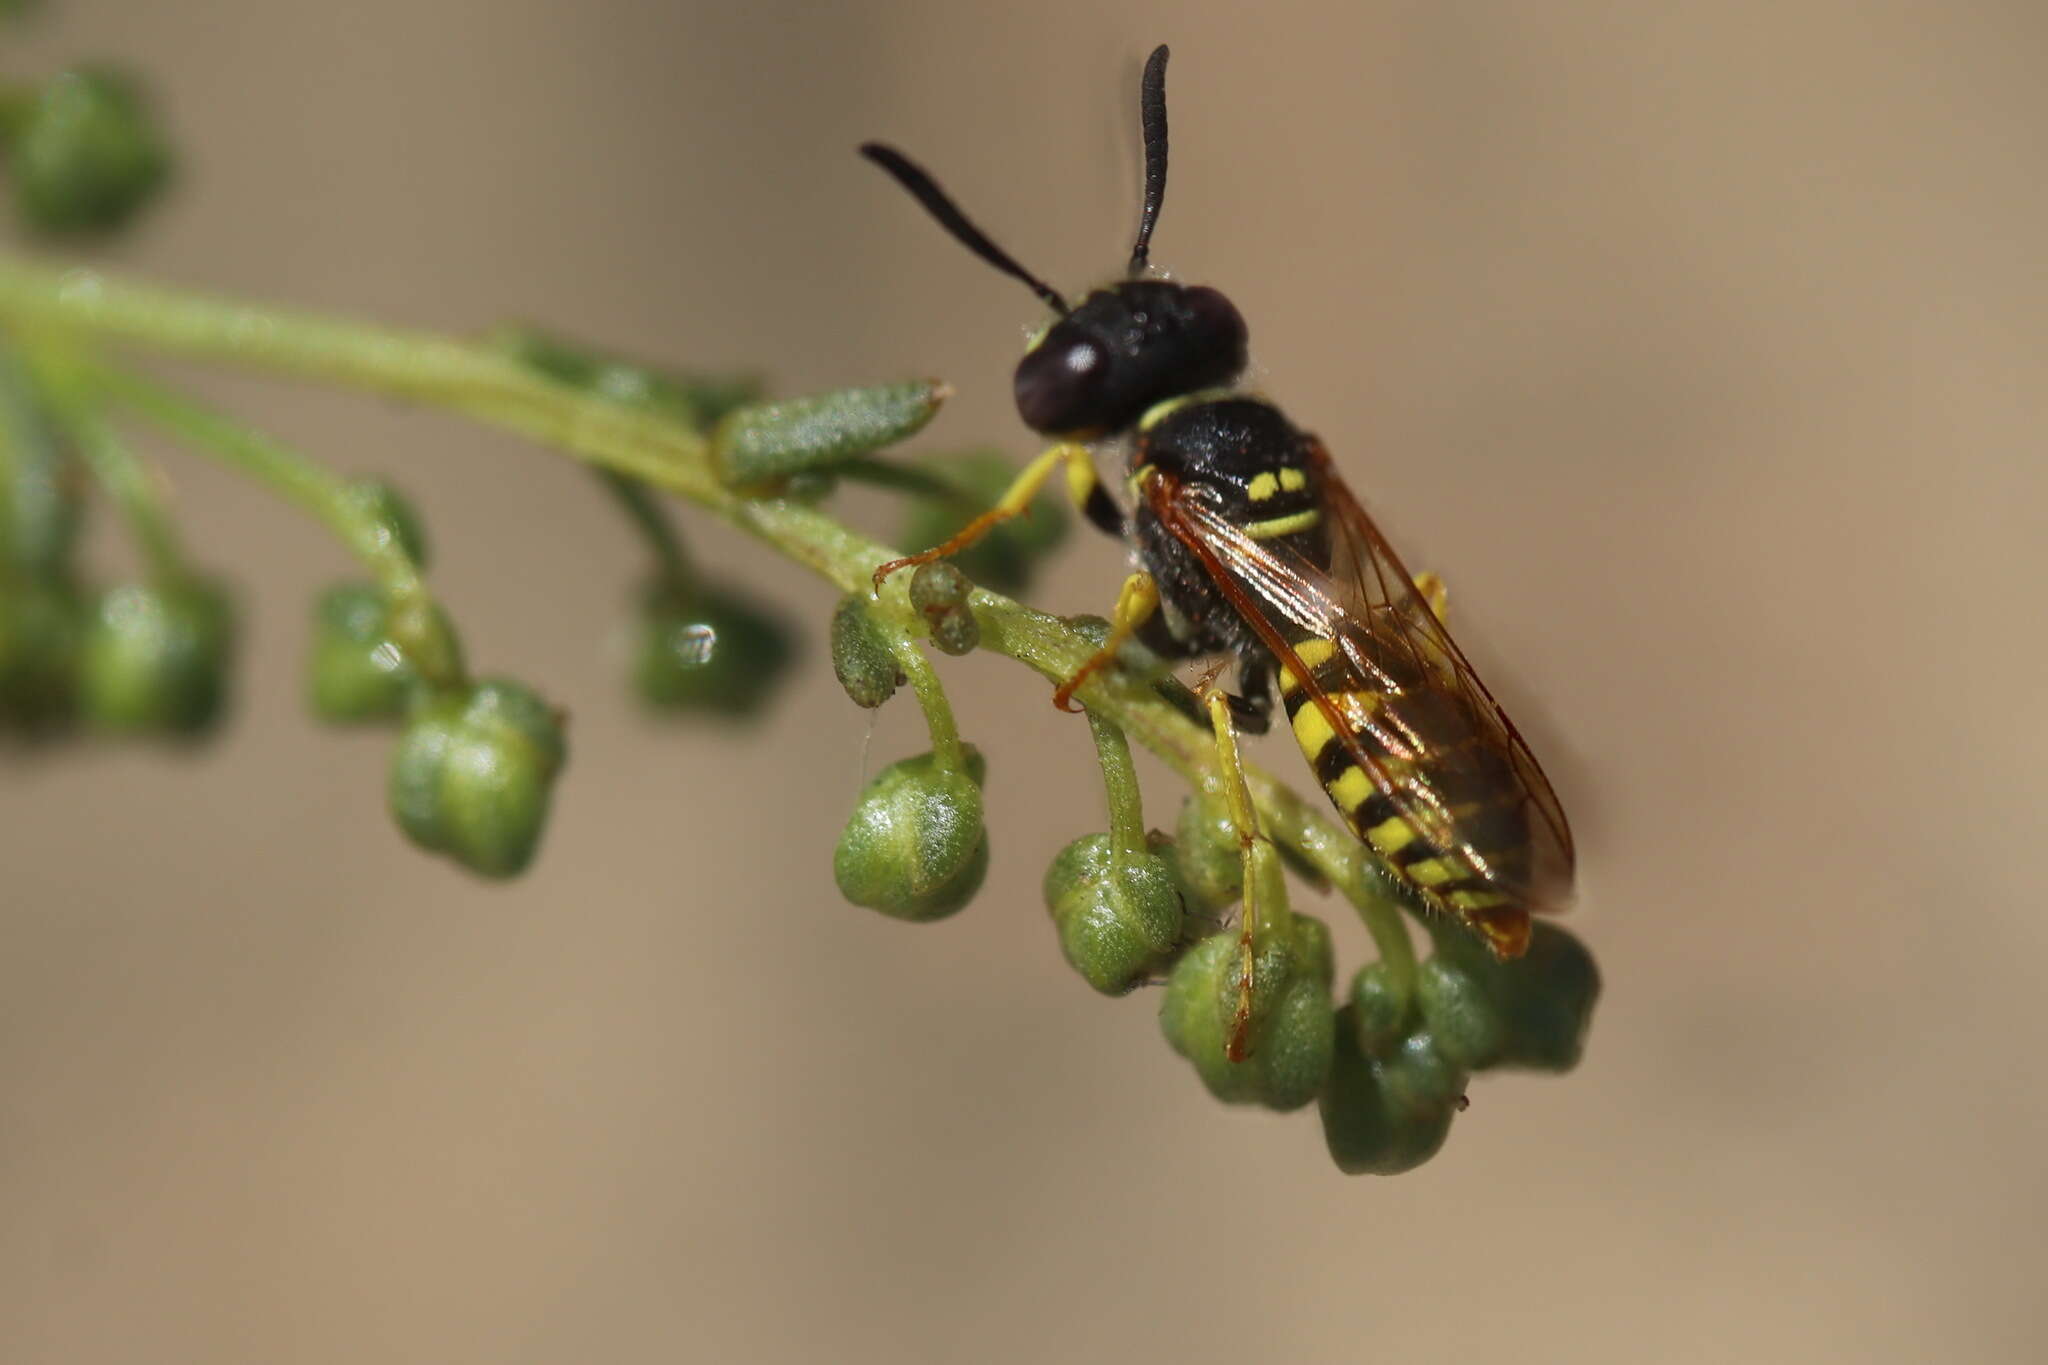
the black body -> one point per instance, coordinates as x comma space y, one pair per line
1221, 445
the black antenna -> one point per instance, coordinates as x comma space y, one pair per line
1152, 119
927, 192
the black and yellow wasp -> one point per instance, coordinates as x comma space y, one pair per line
1251, 548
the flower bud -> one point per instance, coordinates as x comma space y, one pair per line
972, 483
937, 587
915, 848
713, 651
155, 659
861, 657
1293, 1028
771, 441
1207, 853
473, 772
1118, 912
88, 155
398, 524
40, 489
1382, 1116
1532, 1012
356, 671
939, 593
1381, 1009
42, 621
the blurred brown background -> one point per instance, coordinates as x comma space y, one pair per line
1700, 346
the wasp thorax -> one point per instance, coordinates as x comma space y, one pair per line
1122, 350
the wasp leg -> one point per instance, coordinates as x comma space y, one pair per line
1251, 844
1252, 707
1082, 486
1134, 607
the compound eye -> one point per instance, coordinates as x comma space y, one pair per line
1060, 383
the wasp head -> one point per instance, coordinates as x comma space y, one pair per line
1124, 348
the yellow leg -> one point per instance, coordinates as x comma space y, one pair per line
1016, 500
1134, 607
1253, 850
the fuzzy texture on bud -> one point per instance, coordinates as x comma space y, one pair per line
861, 657
473, 774
1293, 1018
915, 847
1118, 912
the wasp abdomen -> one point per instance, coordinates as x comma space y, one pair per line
1429, 749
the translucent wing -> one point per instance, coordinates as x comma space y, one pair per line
1476, 828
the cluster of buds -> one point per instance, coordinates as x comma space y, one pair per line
1250, 996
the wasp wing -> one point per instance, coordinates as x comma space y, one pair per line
1400, 697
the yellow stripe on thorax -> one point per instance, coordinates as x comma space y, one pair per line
1269, 485
1283, 526
1165, 408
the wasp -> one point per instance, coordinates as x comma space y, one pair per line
1250, 548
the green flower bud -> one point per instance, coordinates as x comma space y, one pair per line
1383, 1011
916, 848
1207, 853
939, 593
473, 772
1533, 1012
88, 155
1118, 912
398, 524
41, 496
771, 441
155, 659
713, 651
357, 672
861, 657
938, 587
42, 622
1382, 1116
972, 483
946, 613
1466, 1018
1293, 1027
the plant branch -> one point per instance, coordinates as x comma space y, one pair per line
471, 379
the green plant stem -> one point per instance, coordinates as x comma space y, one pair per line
134, 488
1120, 781
416, 628
931, 699
648, 517
65, 379
462, 377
